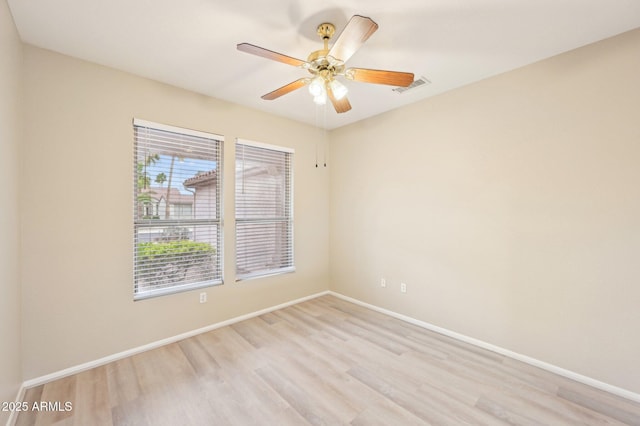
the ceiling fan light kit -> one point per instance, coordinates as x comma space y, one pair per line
317, 86
339, 90
329, 63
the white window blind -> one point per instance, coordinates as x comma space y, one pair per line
264, 210
177, 224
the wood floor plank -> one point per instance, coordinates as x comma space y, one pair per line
230, 349
269, 318
261, 402
423, 409
506, 414
323, 361
130, 413
28, 417
314, 349
599, 405
257, 333
306, 327
385, 414
327, 380
122, 382
60, 392
327, 386
376, 339
222, 404
198, 356
302, 400
92, 401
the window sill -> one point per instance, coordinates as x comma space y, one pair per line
149, 294
255, 275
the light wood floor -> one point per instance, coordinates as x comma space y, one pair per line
323, 362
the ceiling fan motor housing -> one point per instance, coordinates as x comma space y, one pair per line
320, 61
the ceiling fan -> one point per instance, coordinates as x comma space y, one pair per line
328, 63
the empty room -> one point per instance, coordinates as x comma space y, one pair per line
291, 213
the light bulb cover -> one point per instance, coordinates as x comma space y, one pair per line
339, 90
316, 87
320, 99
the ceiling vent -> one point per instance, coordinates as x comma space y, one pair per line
422, 81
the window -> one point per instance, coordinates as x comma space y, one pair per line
264, 210
177, 225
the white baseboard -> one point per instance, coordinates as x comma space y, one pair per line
13, 415
105, 360
526, 359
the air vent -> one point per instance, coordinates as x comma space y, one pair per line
422, 81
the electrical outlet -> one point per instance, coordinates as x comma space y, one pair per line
383, 282
403, 288
203, 297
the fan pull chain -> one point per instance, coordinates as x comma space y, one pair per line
324, 145
317, 125
321, 125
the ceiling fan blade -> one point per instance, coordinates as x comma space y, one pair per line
269, 54
357, 31
341, 105
392, 78
294, 85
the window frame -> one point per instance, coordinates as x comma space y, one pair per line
289, 210
197, 223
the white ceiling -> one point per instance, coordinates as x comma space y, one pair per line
192, 43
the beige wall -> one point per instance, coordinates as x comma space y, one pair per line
77, 212
510, 207
10, 128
